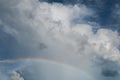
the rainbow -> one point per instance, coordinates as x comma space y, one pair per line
48, 60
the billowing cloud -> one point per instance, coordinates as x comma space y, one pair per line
53, 26
16, 76
56, 31
38, 23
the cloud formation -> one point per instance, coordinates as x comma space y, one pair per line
53, 26
15, 76
41, 29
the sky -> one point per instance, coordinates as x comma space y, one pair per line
39, 37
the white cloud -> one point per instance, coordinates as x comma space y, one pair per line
15, 76
36, 22
32, 22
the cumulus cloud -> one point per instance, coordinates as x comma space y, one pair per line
16, 76
53, 25
39, 23
50, 30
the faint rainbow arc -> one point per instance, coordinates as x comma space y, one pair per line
44, 59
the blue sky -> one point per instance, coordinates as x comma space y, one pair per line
80, 33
